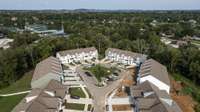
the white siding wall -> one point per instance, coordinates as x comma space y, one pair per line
121, 58
77, 57
156, 82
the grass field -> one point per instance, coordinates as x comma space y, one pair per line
8, 103
22, 84
77, 92
75, 106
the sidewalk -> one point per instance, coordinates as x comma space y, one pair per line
12, 94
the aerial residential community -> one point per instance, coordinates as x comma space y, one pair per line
99, 56
67, 83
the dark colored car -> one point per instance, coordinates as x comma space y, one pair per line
75, 97
88, 74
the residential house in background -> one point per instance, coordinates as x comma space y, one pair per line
124, 57
1, 35
45, 71
49, 99
155, 73
5, 43
77, 55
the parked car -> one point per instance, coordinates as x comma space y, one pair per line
75, 97
88, 74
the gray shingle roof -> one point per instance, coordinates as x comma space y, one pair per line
154, 68
43, 102
152, 102
49, 65
56, 87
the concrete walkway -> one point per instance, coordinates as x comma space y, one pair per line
109, 100
87, 96
13, 94
120, 101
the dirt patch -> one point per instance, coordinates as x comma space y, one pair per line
185, 102
121, 107
121, 93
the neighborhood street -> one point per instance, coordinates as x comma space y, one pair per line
100, 93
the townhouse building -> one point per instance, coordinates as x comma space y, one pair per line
155, 73
149, 98
49, 99
77, 55
124, 57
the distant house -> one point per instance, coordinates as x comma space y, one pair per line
45, 71
155, 73
5, 43
148, 98
165, 40
77, 55
1, 35
124, 57
49, 99
42, 30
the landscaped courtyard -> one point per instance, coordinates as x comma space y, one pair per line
100, 71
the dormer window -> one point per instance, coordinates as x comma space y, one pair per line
146, 94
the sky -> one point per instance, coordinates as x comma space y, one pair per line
100, 4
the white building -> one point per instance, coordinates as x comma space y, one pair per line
77, 55
155, 73
165, 40
4, 43
124, 57
42, 30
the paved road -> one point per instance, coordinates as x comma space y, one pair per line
12, 94
99, 93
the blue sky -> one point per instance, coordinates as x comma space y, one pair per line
100, 4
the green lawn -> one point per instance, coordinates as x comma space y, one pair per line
22, 84
100, 71
77, 92
74, 106
8, 103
